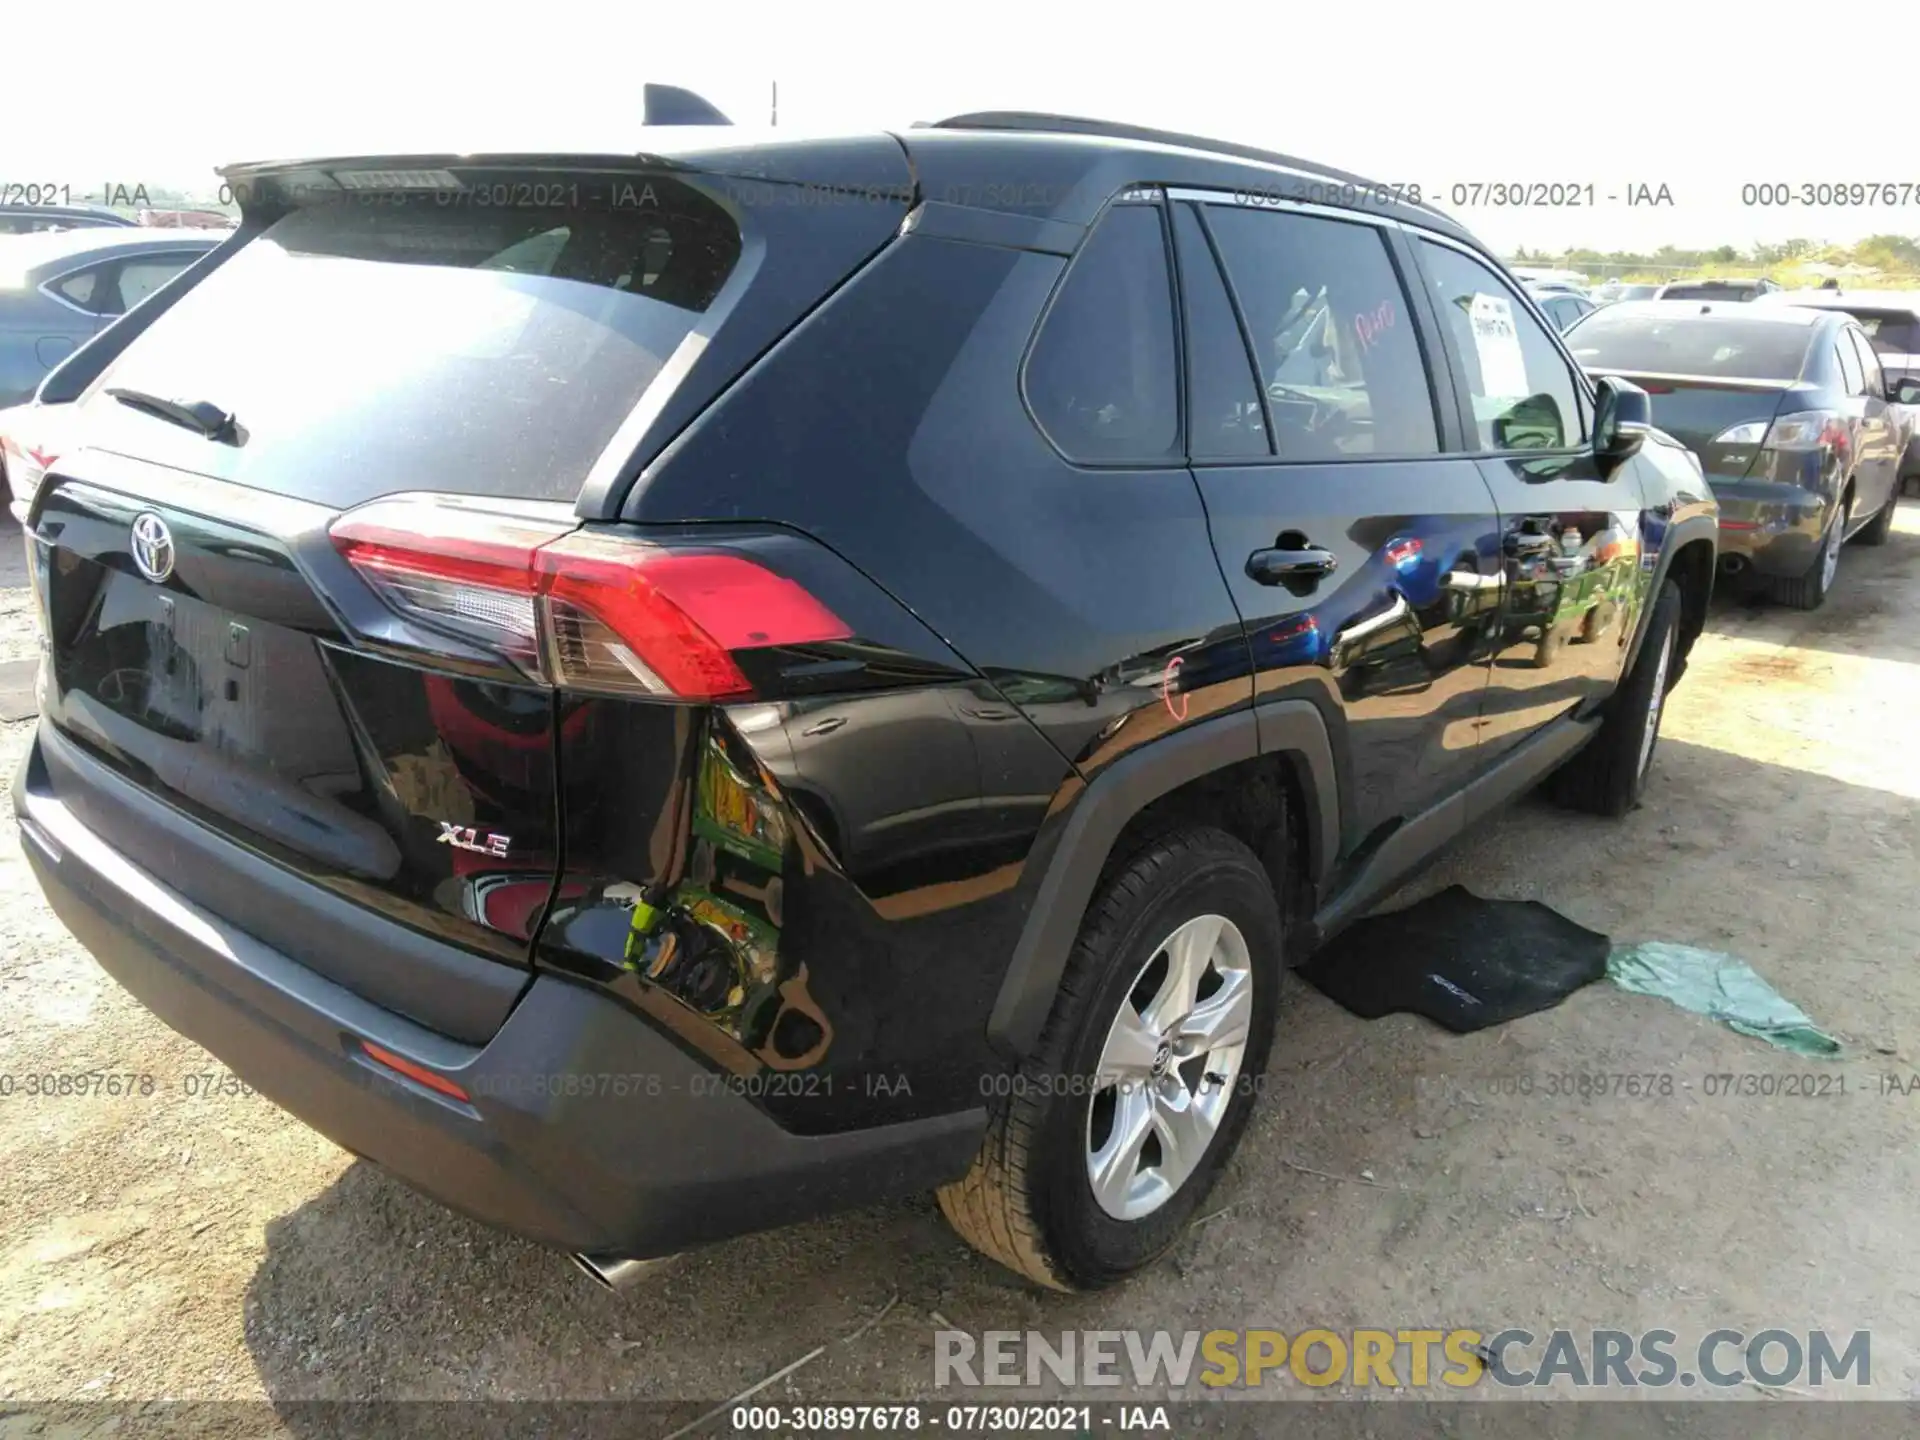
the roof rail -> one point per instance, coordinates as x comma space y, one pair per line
1038, 121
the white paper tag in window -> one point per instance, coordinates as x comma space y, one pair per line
1503, 368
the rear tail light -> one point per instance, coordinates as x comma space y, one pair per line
27, 465
1804, 430
576, 609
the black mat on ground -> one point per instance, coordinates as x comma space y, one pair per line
1461, 961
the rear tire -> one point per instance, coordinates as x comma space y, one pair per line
1030, 1200
1809, 591
1609, 776
1881, 526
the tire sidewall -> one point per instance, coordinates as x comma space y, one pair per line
1837, 538
1090, 1246
1662, 632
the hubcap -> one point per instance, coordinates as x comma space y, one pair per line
1830, 557
1168, 1067
1658, 701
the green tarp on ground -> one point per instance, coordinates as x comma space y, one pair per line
1721, 988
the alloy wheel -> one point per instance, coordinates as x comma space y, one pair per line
1830, 556
1167, 1071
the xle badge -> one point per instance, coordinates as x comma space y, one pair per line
481, 842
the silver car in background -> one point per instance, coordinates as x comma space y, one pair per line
58, 289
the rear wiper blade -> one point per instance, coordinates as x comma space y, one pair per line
201, 416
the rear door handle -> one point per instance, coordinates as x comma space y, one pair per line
1273, 567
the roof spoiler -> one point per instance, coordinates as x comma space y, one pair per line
670, 105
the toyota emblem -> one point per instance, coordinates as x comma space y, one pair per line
152, 547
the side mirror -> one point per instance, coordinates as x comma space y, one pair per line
1622, 416
1904, 391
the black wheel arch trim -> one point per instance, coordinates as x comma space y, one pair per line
1112, 799
1678, 537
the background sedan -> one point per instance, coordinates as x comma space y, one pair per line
59, 289
1788, 411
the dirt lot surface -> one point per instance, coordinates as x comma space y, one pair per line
163, 1245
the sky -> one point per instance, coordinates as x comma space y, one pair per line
1439, 96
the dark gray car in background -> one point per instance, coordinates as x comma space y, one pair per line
58, 289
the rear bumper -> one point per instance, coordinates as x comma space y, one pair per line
1776, 529
586, 1128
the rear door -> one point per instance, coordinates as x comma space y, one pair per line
1362, 555
1876, 473
1569, 542
294, 580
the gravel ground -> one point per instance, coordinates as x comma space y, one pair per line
162, 1245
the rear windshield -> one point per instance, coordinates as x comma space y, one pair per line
1726, 345
426, 341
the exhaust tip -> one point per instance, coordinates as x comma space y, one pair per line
616, 1272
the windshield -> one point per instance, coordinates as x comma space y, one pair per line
1710, 292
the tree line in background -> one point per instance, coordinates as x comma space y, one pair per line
1889, 257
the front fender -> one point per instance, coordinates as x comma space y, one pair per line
1677, 509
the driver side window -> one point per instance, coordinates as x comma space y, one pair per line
1523, 391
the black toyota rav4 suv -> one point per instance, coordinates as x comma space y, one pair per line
657, 695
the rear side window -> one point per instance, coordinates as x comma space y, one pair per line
1330, 326
140, 278
1101, 378
425, 344
1223, 399
83, 288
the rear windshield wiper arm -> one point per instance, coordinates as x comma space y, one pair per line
202, 416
